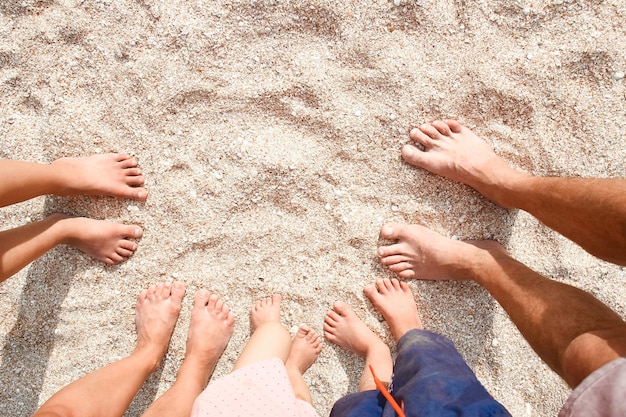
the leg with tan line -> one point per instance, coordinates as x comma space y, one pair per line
596, 208
108, 392
210, 330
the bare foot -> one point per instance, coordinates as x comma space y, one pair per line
111, 174
266, 310
105, 241
344, 328
424, 254
210, 330
156, 314
455, 152
395, 302
305, 348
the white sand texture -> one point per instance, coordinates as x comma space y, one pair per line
269, 132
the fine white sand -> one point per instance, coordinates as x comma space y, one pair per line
269, 132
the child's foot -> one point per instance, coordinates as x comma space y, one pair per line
305, 348
156, 314
395, 302
105, 241
210, 330
265, 310
421, 253
344, 328
111, 174
455, 152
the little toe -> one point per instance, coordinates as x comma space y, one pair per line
116, 259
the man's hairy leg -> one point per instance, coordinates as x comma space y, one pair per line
572, 331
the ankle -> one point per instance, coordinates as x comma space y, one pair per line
504, 189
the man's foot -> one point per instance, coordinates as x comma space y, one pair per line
156, 314
455, 152
105, 241
305, 348
344, 328
111, 174
395, 302
424, 254
210, 330
265, 310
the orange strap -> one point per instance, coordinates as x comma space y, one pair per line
381, 387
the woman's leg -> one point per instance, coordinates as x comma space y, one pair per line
269, 338
305, 348
108, 391
210, 330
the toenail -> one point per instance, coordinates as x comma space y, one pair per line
138, 233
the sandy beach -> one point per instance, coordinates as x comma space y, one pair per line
269, 132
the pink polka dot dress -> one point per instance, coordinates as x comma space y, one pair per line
261, 390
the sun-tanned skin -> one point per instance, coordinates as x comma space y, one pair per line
114, 175
572, 331
108, 392
596, 208
395, 302
270, 339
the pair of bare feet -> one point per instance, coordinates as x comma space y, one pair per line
210, 328
451, 150
113, 174
394, 300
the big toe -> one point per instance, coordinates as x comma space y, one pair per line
201, 299
412, 155
131, 231
370, 291
392, 231
341, 308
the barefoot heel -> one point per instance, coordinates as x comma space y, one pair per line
383, 390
